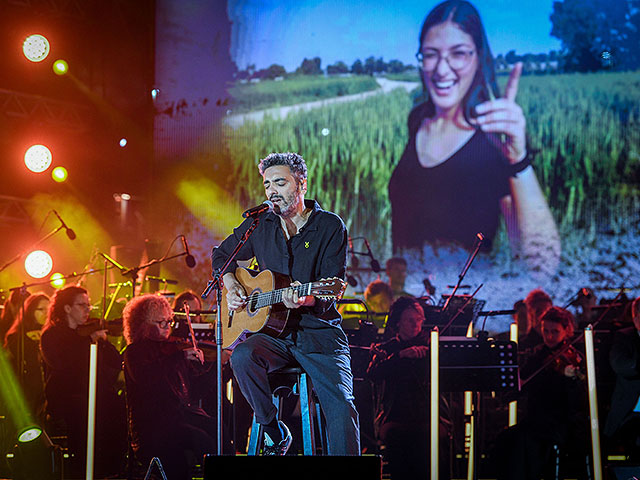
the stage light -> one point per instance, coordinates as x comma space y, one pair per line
60, 67
57, 280
154, 93
38, 264
59, 174
37, 457
325, 132
36, 48
29, 434
123, 142
37, 158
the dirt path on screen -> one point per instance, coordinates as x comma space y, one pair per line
386, 86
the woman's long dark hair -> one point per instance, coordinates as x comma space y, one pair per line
465, 15
57, 314
27, 315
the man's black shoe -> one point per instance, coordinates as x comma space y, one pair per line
279, 449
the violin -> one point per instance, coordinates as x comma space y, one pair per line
113, 327
570, 363
207, 348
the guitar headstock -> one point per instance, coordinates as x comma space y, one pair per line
328, 288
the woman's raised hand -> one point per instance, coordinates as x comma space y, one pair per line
504, 115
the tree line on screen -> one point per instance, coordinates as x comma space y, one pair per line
595, 34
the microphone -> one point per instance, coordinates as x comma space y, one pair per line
375, 265
70, 233
266, 206
189, 259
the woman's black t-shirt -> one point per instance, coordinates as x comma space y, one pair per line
452, 202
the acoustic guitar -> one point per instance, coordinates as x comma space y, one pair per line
264, 311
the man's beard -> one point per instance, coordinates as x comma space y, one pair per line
286, 207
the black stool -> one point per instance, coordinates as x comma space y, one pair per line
283, 382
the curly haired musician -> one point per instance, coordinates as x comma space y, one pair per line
163, 420
306, 243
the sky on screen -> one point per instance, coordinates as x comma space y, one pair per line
285, 32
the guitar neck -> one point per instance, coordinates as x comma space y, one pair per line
266, 299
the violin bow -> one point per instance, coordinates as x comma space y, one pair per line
192, 333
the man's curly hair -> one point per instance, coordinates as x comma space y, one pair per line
294, 161
138, 312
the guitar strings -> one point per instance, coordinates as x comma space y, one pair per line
263, 299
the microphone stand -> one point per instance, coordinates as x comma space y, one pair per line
472, 256
216, 282
461, 309
133, 272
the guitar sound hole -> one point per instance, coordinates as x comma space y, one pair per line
252, 304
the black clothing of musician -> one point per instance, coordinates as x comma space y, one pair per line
554, 406
305, 243
623, 420
162, 420
66, 367
399, 371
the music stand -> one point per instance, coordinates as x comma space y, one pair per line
470, 364
464, 314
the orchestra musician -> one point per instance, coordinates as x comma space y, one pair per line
23, 344
65, 350
537, 302
306, 243
11, 308
399, 371
192, 300
163, 421
555, 405
396, 270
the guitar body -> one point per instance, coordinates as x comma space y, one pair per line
236, 326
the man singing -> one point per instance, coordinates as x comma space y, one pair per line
306, 243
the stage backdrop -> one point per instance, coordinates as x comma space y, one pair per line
335, 81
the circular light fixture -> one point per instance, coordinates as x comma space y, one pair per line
37, 158
57, 280
38, 264
59, 174
60, 67
36, 48
123, 142
29, 434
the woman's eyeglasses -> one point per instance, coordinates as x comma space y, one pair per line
457, 60
167, 322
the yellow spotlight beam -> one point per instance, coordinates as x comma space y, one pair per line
12, 395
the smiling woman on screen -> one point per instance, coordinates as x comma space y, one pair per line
467, 160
